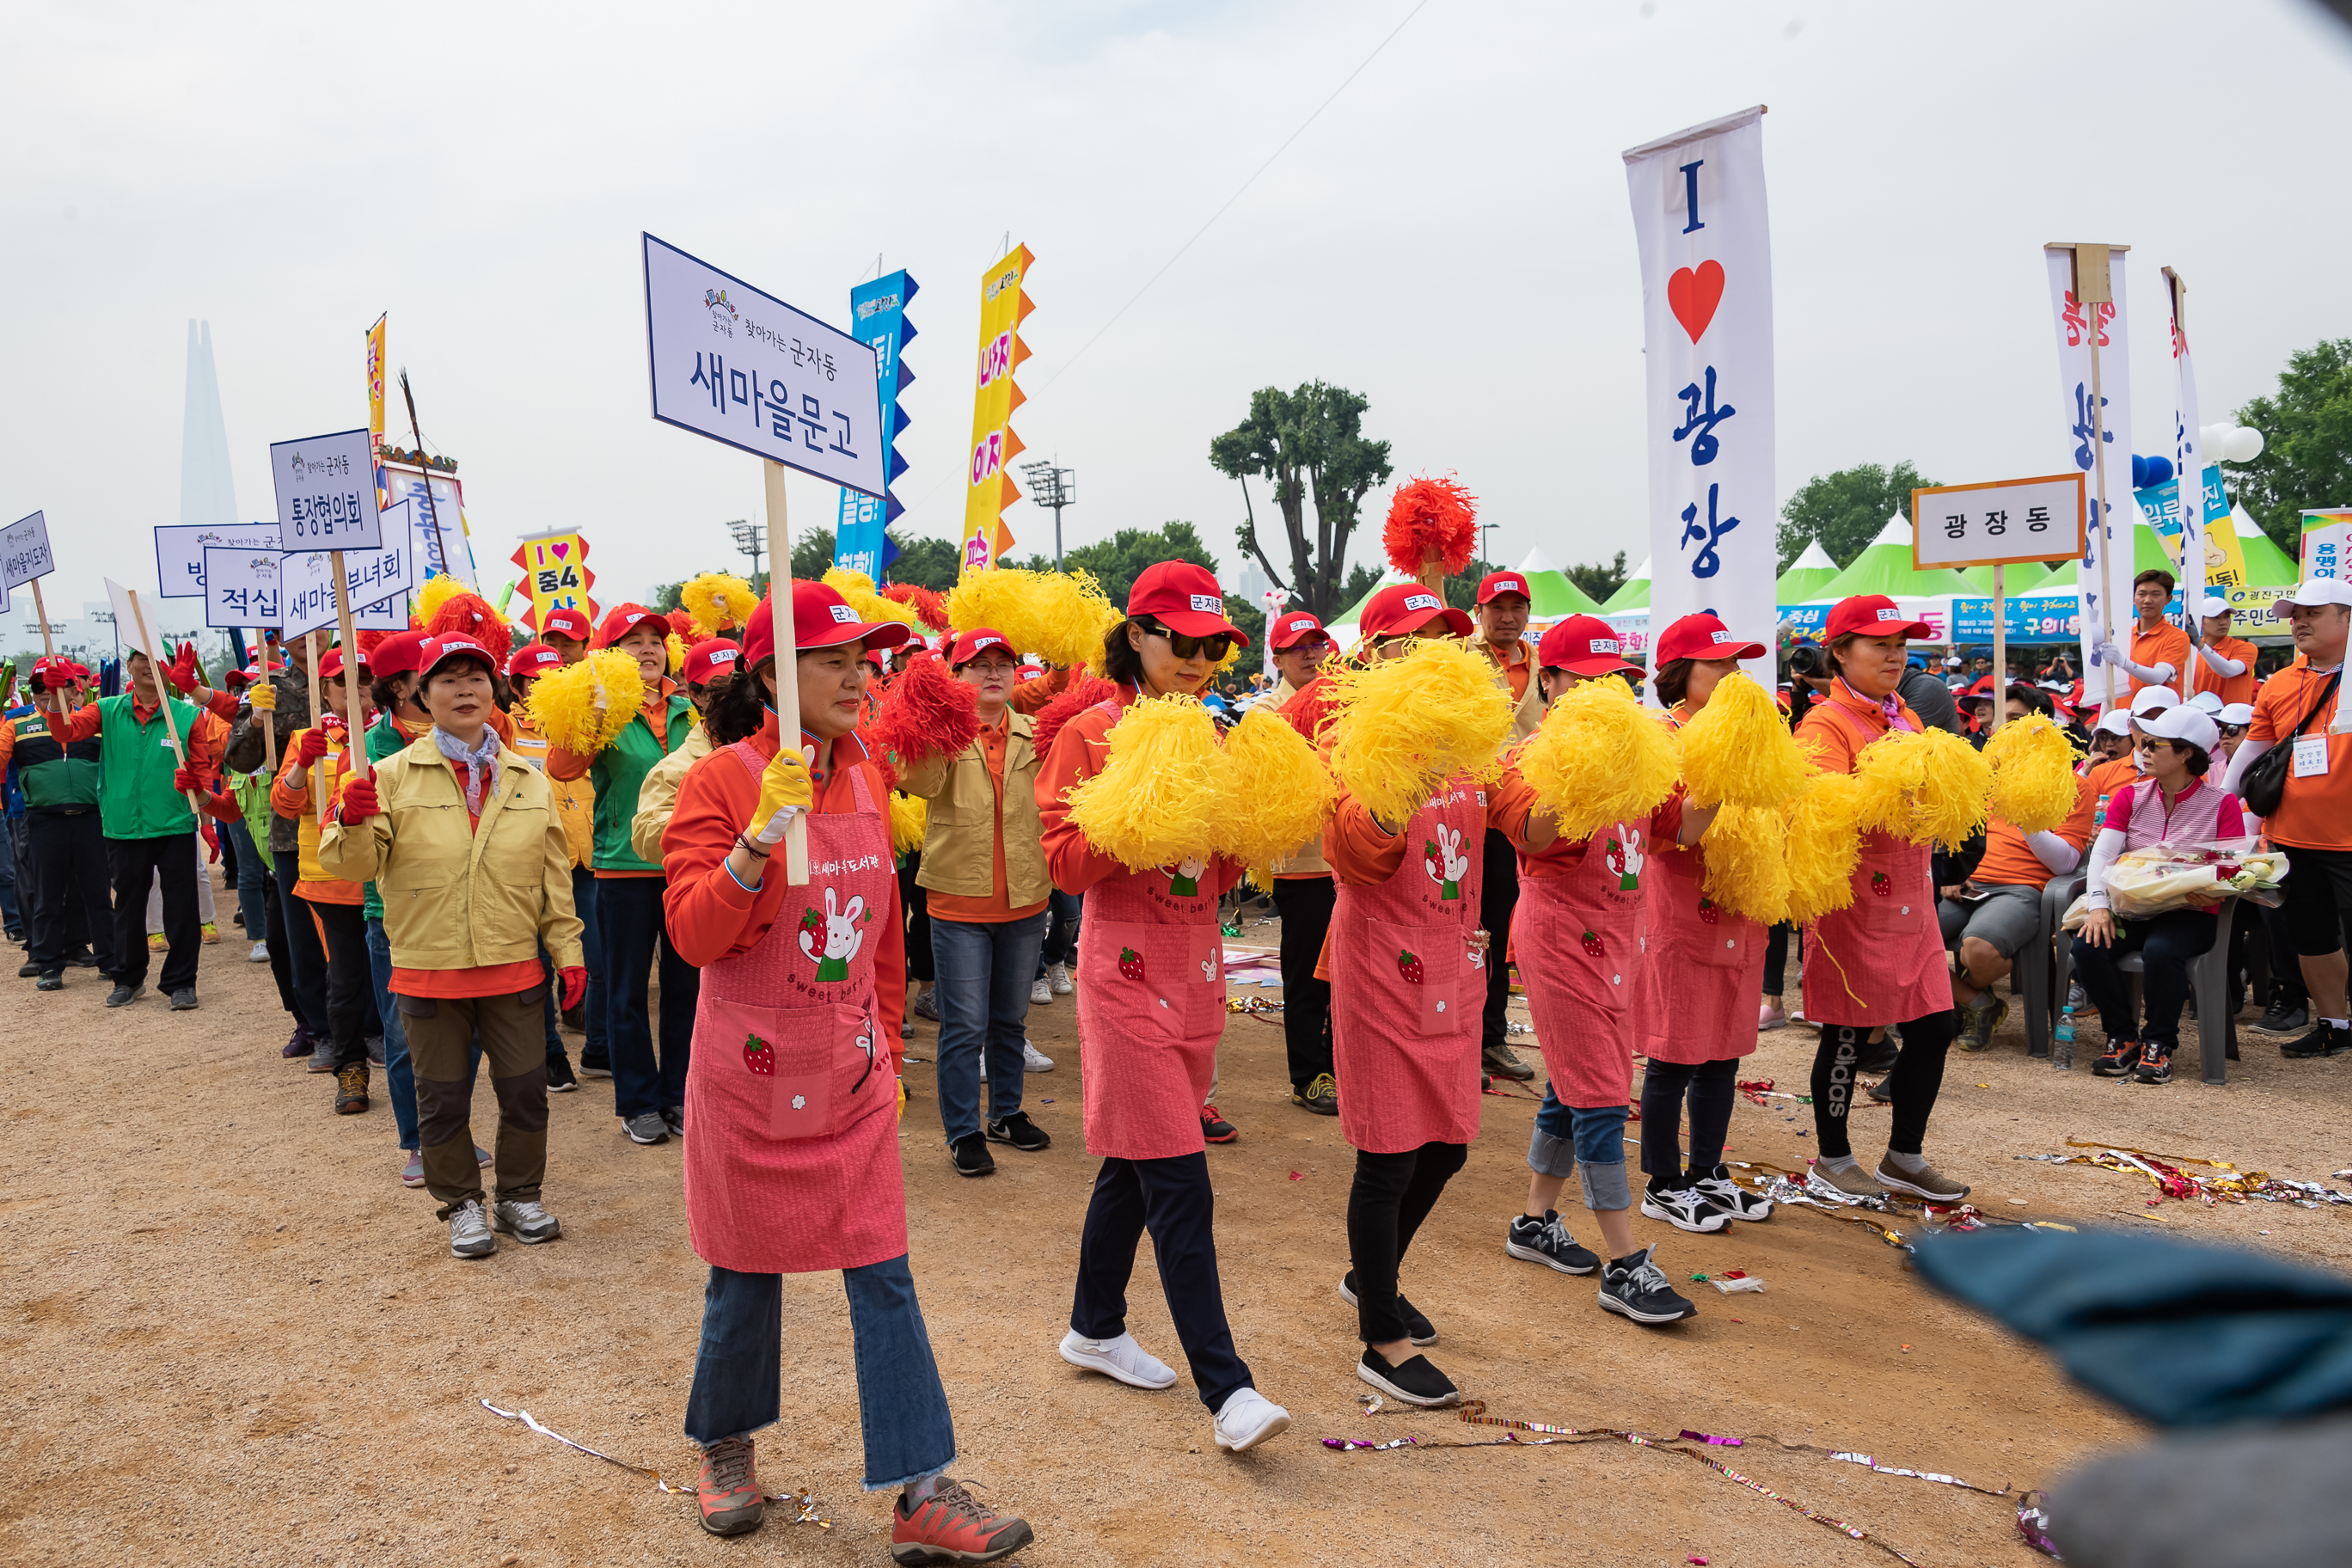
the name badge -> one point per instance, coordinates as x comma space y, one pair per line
2310, 756
166, 743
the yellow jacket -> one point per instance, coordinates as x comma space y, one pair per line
461, 896
575, 799
1308, 861
960, 829
658, 796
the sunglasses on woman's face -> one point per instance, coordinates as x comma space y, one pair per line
2149, 743
2233, 729
1213, 648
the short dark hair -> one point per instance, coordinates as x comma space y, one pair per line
738, 709
2154, 574
1122, 660
2199, 759
1672, 683
2036, 700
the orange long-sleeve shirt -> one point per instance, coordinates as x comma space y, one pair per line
1080, 751
1362, 853
1033, 695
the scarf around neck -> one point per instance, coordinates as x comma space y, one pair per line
482, 763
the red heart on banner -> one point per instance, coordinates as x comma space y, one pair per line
563, 550
1692, 297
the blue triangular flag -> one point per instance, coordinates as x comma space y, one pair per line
897, 466
890, 508
900, 420
905, 376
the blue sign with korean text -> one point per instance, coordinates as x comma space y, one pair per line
878, 317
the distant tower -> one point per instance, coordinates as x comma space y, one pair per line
208, 495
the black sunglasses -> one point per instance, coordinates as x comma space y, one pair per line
1212, 648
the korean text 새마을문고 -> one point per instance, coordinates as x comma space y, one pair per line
729, 389
325, 516
1707, 562
1705, 414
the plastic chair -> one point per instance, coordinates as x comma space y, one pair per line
2209, 981
2030, 976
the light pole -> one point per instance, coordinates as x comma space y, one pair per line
1055, 488
751, 539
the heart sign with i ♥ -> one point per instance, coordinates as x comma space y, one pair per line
1693, 295
562, 548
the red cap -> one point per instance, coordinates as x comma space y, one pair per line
1702, 637
821, 618
1184, 598
713, 655
1874, 616
438, 651
1291, 629
397, 655
531, 660
624, 619
1585, 644
330, 664
1496, 583
1406, 607
970, 645
236, 678
59, 668
569, 623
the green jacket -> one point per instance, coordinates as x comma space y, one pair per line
136, 762
53, 776
620, 773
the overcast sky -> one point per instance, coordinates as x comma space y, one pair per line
1451, 237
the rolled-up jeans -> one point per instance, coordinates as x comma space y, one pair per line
985, 969
251, 869
902, 1409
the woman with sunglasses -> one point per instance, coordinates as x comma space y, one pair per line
1152, 1007
2173, 805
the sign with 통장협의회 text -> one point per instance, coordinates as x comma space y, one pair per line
1999, 523
326, 493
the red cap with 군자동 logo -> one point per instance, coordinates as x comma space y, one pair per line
1402, 608
1585, 644
532, 660
566, 622
1184, 598
975, 642
1294, 627
1497, 583
712, 656
821, 618
1872, 616
1703, 635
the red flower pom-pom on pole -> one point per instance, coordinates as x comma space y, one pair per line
928, 710
926, 602
1432, 532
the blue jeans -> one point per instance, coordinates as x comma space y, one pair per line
251, 869
592, 946
985, 970
399, 1076
630, 912
1592, 1141
901, 1408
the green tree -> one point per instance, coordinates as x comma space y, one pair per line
1599, 580
1310, 443
813, 554
666, 596
1117, 561
2307, 429
1845, 510
1461, 588
926, 562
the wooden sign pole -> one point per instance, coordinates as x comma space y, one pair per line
41, 613
147, 645
354, 699
788, 685
1999, 647
310, 678
270, 726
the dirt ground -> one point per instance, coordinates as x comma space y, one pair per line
232, 1336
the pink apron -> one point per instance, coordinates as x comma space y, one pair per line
791, 1151
1881, 959
1408, 989
1703, 973
1579, 941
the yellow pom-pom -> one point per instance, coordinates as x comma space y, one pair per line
1162, 792
436, 591
676, 645
857, 588
565, 705
1927, 786
908, 816
1282, 792
1403, 726
718, 600
1746, 866
1824, 841
2034, 783
1737, 749
1599, 759
1060, 616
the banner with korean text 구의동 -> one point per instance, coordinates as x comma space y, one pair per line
988, 480
2079, 327
555, 574
1700, 217
241, 588
878, 317
180, 554
326, 492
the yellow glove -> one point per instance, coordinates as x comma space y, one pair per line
264, 698
784, 793
902, 1098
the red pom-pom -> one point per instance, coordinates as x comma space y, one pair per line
1085, 691
681, 621
1430, 517
927, 710
930, 605
369, 643
470, 615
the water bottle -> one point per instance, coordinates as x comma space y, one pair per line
2062, 1046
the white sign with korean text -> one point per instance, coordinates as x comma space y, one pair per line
135, 623
1700, 217
326, 493
2001, 523
743, 367
25, 551
180, 554
441, 527
2075, 330
241, 588
306, 581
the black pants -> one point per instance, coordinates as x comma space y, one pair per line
1061, 944
68, 859
1171, 1199
281, 966
306, 955
1391, 1196
1498, 895
1708, 1088
1776, 958
917, 908
134, 865
2167, 946
1918, 1075
1305, 904
351, 1017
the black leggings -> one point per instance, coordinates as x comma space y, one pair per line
351, 983
1776, 957
1708, 1087
1919, 1074
916, 903
1391, 1196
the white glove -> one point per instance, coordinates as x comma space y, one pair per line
2110, 652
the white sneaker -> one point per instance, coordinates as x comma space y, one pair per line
525, 1220
1040, 993
1035, 1060
1125, 1359
1248, 1419
469, 1232
1058, 975
261, 953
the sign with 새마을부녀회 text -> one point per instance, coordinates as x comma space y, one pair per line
306, 581
2002, 522
326, 493
25, 551
241, 588
743, 367
180, 554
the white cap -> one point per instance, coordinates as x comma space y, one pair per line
2320, 590
2212, 604
1952, 661
2114, 724
2152, 700
2236, 713
2190, 724
2206, 701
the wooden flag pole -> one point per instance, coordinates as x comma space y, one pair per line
310, 679
788, 685
147, 645
354, 699
1999, 647
41, 613
270, 729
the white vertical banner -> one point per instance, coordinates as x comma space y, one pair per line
2100, 532
1707, 305
2188, 465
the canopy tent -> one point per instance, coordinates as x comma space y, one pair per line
1634, 594
1552, 595
1806, 576
1343, 625
1884, 567
2019, 577
2267, 566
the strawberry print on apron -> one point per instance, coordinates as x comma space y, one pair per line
1579, 941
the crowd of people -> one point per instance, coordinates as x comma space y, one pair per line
630, 894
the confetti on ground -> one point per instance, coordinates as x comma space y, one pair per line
1297, 1177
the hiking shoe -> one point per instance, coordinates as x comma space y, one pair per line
1032, 1059
1214, 1127
300, 1044
1501, 1061
1018, 1131
412, 1174
1040, 993
926, 1005
1854, 1184
2283, 1017
1769, 1017
26, 971
1058, 975
1321, 1096
727, 1492
560, 1076
523, 1219
953, 1526
970, 1156
1881, 1057
1978, 1019
1547, 1241
1120, 1358
2324, 1040
123, 996
1416, 1381
260, 953
1732, 1198
158, 943
184, 1000
646, 1127
595, 1061
1881, 1090
1417, 1328
2117, 1060
674, 1118
51, 982
321, 1060
1683, 1208
1636, 1288
372, 1045
2155, 1065
1923, 1183
211, 932
470, 1233
352, 1090
1247, 1419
